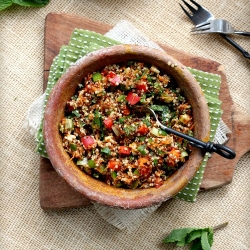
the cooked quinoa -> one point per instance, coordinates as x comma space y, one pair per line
108, 140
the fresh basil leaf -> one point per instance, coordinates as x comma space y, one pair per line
5, 4
31, 3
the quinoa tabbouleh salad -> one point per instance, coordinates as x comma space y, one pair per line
109, 141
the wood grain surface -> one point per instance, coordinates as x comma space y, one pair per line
54, 191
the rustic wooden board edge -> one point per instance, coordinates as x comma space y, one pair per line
64, 196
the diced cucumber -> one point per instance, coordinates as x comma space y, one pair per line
97, 76
69, 125
91, 163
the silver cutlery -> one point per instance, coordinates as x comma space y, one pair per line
217, 26
201, 15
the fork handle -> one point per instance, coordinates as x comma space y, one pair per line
242, 33
205, 146
236, 45
217, 148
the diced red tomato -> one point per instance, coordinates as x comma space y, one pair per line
133, 98
111, 74
125, 111
115, 80
142, 87
123, 150
143, 129
88, 141
158, 182
114, 164
145, 171
108, 122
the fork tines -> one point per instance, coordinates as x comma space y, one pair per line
191, 8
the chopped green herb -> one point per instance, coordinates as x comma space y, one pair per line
142, 149
136, 172
149, 78
105, 151
118, 184
155, 162
124, 118
134, 184
101, 169
142, 138
98, 124
73, 146
96, 175
113, 174
121, 98
76, 113
157, 107
138, 77
81, 124
162, 132
129, 130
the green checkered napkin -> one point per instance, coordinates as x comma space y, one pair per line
83, 42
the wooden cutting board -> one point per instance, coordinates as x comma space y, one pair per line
55, 192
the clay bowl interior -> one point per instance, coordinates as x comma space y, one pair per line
96, 190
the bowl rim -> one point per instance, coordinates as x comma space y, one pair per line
99, 191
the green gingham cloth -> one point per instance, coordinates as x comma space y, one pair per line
83, 42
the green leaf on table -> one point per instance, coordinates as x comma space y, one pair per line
31, 3
5, 4
27, 3
200, 238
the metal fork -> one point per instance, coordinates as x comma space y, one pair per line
202, 15
217, 26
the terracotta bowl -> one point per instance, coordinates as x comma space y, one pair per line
99, 191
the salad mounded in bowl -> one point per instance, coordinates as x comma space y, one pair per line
109, 140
